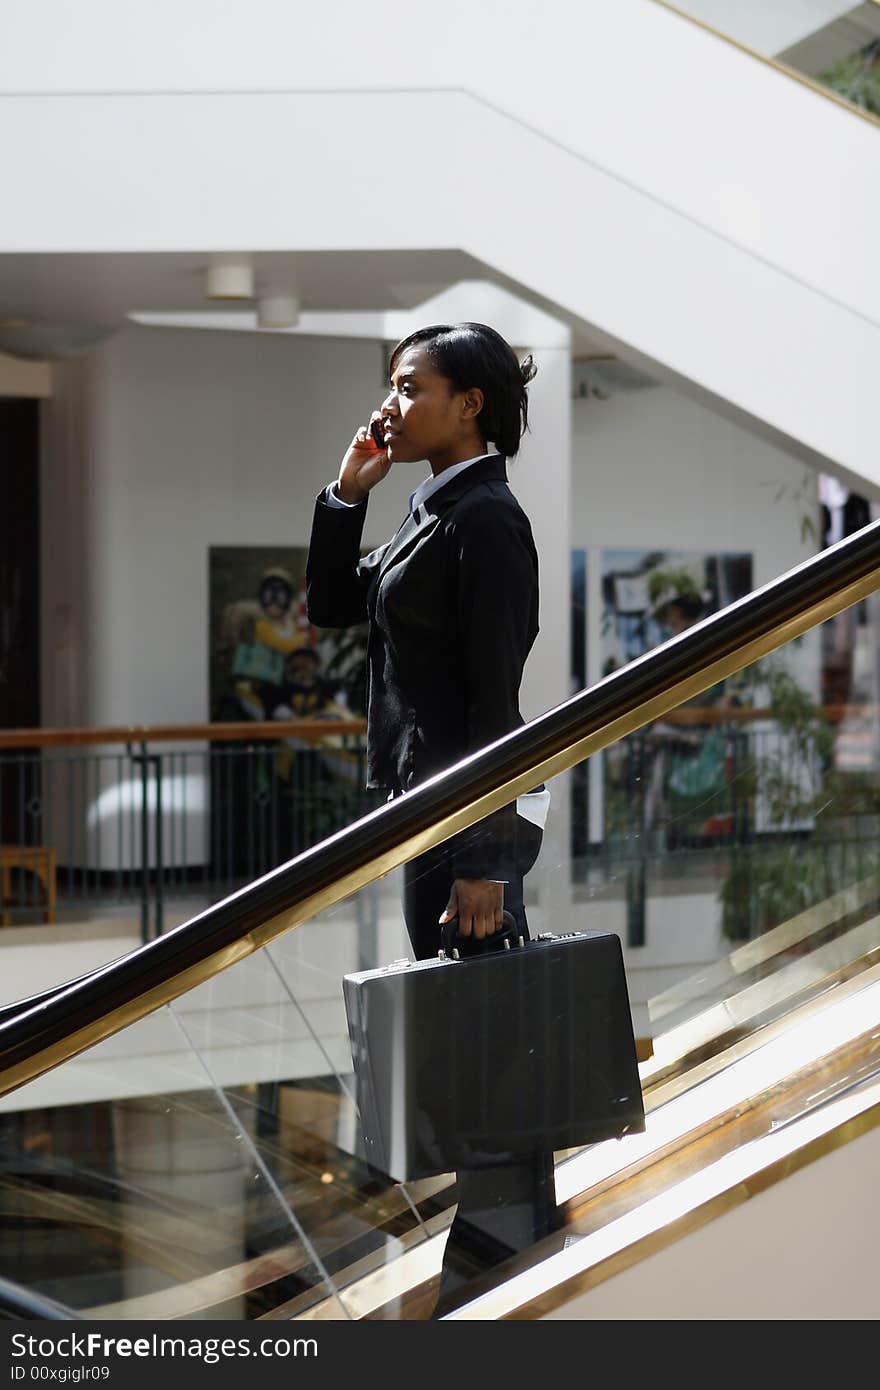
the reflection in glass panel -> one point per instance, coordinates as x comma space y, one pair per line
133, 1190
273, 1034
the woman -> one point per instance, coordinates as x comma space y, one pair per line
452, 603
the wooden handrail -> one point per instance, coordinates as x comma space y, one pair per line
312, 730
746, 714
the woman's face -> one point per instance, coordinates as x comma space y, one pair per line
424, 417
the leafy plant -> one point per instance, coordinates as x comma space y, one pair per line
676, 583
768, 882
805, 494
858, 78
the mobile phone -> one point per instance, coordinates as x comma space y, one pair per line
377, 430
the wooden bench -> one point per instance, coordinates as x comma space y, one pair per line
36, 859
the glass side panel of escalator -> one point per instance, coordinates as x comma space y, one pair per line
205, 1161
132, 1188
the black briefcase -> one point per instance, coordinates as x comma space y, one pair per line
474, 1062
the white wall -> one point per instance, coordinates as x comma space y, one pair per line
163, 443
653, 468
195, 439
656, 468
741, 167
716, 225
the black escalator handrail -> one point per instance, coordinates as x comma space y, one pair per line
85, 1011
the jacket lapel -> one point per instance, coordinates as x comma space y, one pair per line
419, 521
425, 516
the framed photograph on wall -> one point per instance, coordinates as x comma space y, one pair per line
268, 663
264, 652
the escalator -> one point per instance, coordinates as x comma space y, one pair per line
179, 1137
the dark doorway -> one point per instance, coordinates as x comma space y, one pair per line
19, 579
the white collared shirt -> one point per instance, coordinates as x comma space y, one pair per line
423, 491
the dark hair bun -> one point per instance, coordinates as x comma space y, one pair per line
527, 369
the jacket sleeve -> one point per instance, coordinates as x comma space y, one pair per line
497, 612
337, 579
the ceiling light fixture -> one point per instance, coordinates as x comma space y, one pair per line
230, 277
277, 311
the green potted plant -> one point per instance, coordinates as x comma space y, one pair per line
819, 825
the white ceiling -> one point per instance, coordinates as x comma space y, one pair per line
104, 288
100, 290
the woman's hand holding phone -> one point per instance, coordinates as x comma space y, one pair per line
366, 462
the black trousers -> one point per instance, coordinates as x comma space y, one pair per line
508, 1208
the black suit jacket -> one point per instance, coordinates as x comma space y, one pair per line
452, 603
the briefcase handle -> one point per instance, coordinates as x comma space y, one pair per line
509, 935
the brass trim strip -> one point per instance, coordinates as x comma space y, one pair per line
700, 1216
583, 1173
784, 68
662, 1085
740, 1006
663, 1079
51, 1056
751, 954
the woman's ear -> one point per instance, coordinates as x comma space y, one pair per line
472, 403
